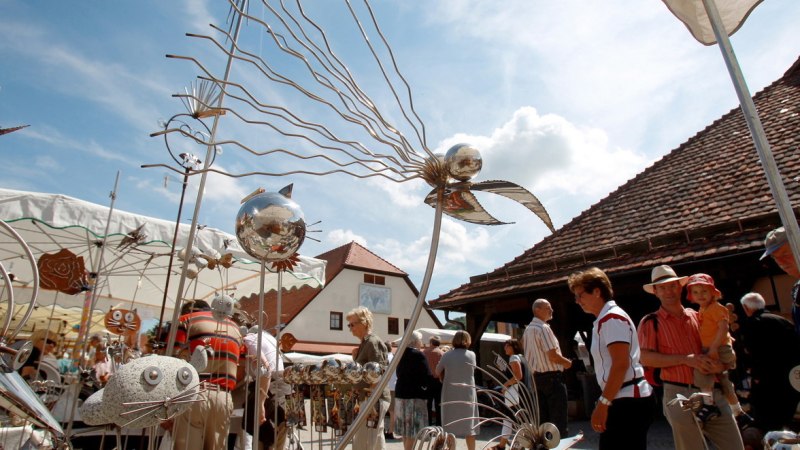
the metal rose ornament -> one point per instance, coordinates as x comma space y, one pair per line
270, 226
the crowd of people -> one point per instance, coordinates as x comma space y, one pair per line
687, 354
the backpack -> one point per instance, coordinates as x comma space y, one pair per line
653, 374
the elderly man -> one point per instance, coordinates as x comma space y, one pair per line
771, 351
670, 339
777, 246
543, 353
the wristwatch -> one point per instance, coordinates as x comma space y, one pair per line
604, 401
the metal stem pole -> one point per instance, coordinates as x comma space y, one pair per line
257, 407
778, 190
90, 301
412, 323
201, 189
172, 253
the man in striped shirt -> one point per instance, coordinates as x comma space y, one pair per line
206, 424
671, 341
547, 364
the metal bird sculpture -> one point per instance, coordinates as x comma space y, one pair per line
463, 162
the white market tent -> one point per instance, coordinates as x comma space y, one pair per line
304, 358
133, 272
446, 336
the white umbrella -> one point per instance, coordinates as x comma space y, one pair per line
136, 252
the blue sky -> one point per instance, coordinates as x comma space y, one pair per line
569, 99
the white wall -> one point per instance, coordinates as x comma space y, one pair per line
341, 295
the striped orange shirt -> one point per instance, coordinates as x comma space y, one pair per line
223, 336
676, 336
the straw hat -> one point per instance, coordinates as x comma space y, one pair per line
662, 274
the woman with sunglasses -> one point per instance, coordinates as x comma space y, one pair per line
370, 349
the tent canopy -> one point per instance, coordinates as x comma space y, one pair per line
446, 336
131, 260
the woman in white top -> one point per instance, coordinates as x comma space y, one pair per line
624, 412
512, 349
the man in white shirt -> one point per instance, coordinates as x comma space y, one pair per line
543, 353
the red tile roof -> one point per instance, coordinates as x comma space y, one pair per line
355, 256
707, 198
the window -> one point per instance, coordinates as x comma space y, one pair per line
336, 320
405, 324
374, 279
394, 325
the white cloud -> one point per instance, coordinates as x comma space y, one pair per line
48, 164
340, 237
548, 153
403, 195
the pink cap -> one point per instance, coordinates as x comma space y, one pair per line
701, 278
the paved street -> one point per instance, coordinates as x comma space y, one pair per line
660, 437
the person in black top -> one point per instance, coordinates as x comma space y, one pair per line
771, 350
414, 381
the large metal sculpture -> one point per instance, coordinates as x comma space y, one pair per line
16, 397
348, 134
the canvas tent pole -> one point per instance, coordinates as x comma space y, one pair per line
206, 163
90, 300
773, 175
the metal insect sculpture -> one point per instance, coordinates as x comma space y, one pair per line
287, 67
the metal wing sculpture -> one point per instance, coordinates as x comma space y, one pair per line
286, 68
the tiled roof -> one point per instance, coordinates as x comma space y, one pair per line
355, 256
707, 198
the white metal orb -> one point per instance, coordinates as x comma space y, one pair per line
463, 162
222, 306
270, 227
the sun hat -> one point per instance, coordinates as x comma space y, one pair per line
775, 240
662, 274
704, 279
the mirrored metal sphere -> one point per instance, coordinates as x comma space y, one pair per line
353, 372
372, 372
463, 162
270, 227
288, 375
315, 374
299, 373
333, 370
